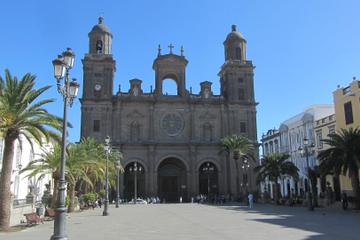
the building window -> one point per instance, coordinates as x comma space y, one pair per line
207, 132
18, 157
266, 149
242, 127
241, 94
271, 147
240, 80
135, 132
319, 138
331, 129
96, 127
276, 146
348, 113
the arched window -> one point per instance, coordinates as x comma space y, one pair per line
207, 132
169, 87
135, 131
99, 46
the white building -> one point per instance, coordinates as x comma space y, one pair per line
20, 184
292, 134
270, 144
290, 138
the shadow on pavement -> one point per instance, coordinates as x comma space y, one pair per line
324, 224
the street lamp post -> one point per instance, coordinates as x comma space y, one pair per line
135, 169
305, 151
245, 166
68, 89
107, 148
118, 166
208, 169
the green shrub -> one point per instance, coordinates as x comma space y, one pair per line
102, 193
91, 196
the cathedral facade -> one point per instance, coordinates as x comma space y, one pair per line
173, 139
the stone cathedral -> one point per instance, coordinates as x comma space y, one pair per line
173, 139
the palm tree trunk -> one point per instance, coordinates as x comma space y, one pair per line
71, 207
354, 176
237, 180
5, 182
276, 195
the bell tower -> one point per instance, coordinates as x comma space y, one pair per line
170, 66
236, 74
98, 70
98, 64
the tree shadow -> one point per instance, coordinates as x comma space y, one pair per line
323, 224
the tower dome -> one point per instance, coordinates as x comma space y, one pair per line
234, 35
101, 26
100, 38
235, 46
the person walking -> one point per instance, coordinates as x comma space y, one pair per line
344, 200
99, 202
251, 200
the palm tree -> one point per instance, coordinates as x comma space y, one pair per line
48, 163
343, 157
273, 167
240, 147
85, 166
314, 174
21, 115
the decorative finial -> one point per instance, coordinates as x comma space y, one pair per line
354, 78
171, 47
182, 51
101, 19
190, 90
159, 50
233, 28
119, 88
151, 90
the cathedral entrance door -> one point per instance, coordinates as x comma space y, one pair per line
171, 180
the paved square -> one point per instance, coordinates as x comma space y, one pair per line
193, 221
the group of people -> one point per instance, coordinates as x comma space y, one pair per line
153, 200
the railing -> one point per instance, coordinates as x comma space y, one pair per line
22, 202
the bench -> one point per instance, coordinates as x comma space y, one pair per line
33, 218
50, 213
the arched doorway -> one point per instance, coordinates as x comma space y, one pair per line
208, 180
134, 171
172, 180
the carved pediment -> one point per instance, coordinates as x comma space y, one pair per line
135, 115
207, 115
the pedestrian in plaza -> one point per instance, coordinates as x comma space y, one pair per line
99, 202
251, 200
344, 200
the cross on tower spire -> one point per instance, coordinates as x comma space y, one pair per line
171, 47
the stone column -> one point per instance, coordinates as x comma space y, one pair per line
192, 187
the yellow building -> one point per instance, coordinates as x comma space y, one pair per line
322, 128
347, 111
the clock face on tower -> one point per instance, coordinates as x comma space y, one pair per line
97, 87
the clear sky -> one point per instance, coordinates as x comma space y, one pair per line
301, 49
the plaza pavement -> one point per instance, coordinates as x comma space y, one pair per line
206, 222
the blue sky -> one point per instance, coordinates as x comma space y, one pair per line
301, 49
